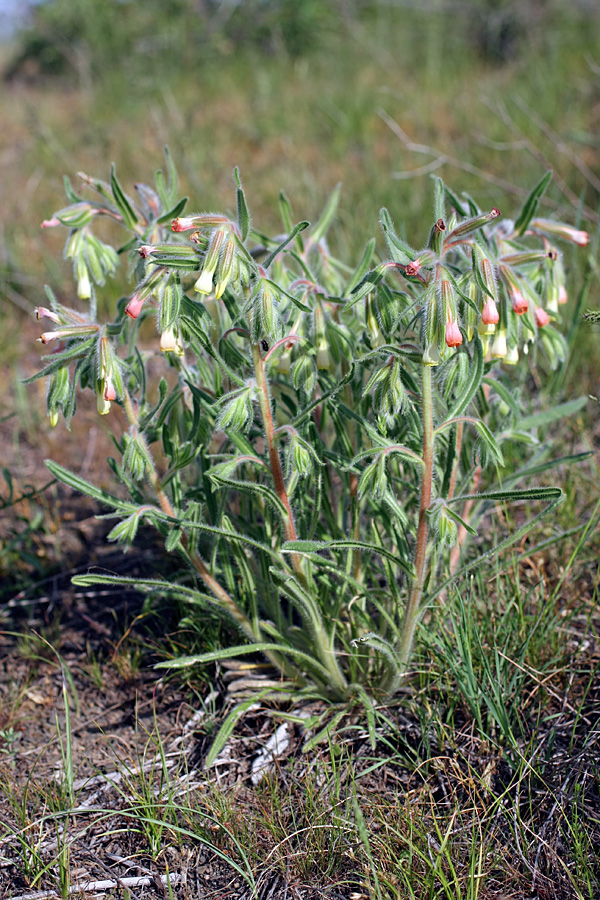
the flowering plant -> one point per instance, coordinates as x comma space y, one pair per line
333, 435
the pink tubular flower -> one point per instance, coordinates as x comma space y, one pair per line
490, 314
566, 232
109, 390
51, 223
42, 313
541, 317
519, 302
453, 335
562, 294
413, 267
49, 336
184, 223
134, 307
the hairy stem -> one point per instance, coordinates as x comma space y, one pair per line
264, 400
224, 599
455, 467
411, 614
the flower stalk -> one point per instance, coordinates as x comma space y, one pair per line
411, 614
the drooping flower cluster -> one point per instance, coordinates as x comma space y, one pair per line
501, 282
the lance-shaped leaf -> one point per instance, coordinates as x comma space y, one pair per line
362, 268
90, 490
400, 251
553, 496
327, 216
531, 204
123, 203
309, 547
474, 380
301, 226
242, 207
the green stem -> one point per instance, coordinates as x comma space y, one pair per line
325, 649
411, 614
264, 400
214, 587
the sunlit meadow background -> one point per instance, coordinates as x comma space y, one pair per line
301, 95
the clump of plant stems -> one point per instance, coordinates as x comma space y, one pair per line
333, 437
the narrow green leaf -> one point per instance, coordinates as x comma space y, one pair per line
362, 268
184, 662
400, 251
300, 547
242, 207
552, 415
173, 212
474, 381
503, 393
58, 360
129, 217
286, 212
301, 226
90, 490
72, 196
439, 205
552, 496
229, 723
327, 216
460, 521
531, 204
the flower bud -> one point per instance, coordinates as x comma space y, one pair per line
84, 287
489, 313
519, 303
170, 343
512, 356
75, 216
488, 277
109, 373
75, 331
204, 284
541, 316
470, 225
301, 460
304, 374
443, 526
469, 314
225, 268
134, 307
499, 349
566, 232
57, 393
186, 223
377, 339
527, 257
42, 313
453, 335
562, 294
431, 356
102, 404
323, 361
485, 330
